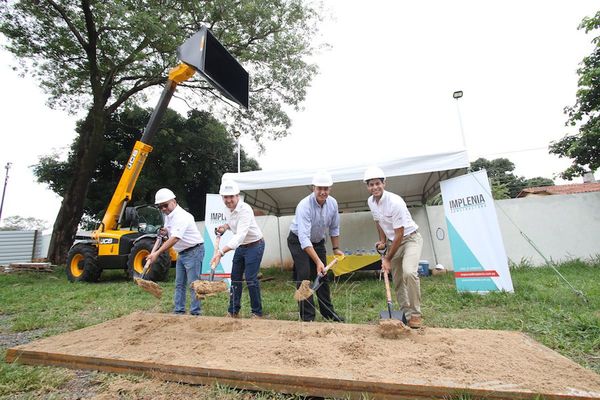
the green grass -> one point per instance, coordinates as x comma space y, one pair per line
543, 306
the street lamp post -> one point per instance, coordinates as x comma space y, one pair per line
457, 95
8, 164
236, 134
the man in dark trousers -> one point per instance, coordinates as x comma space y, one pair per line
316, 215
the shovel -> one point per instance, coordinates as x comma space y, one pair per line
149, 286
389, 314
305, 291
213, 266
204, 288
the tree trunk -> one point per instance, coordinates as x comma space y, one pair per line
71, 209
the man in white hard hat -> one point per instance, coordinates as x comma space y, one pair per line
185, 238
316, 215
395, 224
249, 247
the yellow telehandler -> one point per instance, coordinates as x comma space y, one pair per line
126, 235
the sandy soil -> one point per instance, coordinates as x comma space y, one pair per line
456, 358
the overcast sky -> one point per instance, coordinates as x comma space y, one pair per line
384, 91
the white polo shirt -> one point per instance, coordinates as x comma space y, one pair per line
181, 225
242, 223
391, 213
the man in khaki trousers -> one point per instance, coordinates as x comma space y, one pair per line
395, 224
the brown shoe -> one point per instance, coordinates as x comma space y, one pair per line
256, 316
232, 315
415, 321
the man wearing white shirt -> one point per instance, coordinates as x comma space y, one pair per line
316, 215
249, 246
395, 225
185, 238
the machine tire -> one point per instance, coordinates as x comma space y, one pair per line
159, 271
82, 264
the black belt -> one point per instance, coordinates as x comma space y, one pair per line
190, 248
252, 244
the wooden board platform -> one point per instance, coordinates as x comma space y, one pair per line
318, 359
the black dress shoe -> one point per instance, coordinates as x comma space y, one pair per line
334, 317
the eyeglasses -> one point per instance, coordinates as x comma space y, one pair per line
163, 205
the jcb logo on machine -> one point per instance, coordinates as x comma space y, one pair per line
134, 154
109, 241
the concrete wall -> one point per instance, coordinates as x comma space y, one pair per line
561, 227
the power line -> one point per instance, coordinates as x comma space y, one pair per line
516, 151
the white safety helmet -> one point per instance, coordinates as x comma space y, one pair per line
373, 173
323, 179
229, 188
163, 195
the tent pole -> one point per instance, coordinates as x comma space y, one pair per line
430, 235
280, 245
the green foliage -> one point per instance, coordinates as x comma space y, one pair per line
584, 147
18, 223
16, 378
97, 55
504, 183
189, 156
87, 54
436, 200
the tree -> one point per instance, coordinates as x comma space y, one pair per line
96, 55
584, 147
189, 156
18, 223
504, 183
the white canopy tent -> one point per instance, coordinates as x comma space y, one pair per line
415, 178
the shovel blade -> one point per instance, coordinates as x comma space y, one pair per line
399, 315
316, 284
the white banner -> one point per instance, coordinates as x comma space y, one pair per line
480, 261
215, 216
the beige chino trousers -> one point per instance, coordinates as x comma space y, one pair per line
405, 265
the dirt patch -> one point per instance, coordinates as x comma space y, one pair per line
453, 358
11, 339
392, 329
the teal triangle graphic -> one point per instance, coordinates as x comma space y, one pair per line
462, 256
464, 260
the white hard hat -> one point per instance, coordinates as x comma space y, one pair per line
163, 195
229, 188
373, 173
322, 178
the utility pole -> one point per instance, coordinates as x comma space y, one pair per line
7, 167
236, 134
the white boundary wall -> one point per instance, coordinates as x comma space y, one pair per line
562, 227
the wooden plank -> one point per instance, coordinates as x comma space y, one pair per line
313, 386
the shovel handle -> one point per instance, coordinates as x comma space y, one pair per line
317, 282
388, 292
213, 266
157, 244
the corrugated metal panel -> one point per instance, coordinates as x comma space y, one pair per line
18, 246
